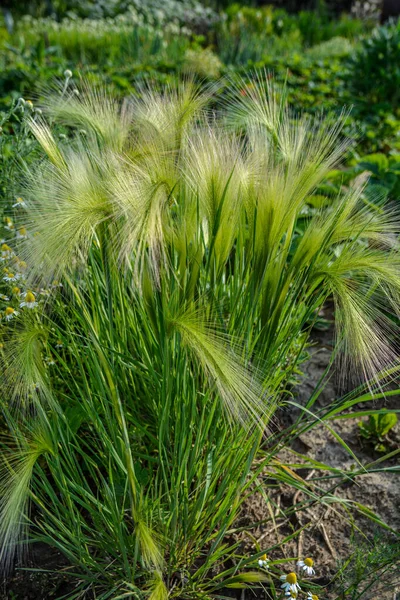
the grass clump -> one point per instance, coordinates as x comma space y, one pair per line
137, 396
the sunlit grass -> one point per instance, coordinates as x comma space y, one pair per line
189, 290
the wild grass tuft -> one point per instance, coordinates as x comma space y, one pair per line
190, 284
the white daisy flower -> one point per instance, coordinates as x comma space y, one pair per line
289, 583
6, 252
307, 566
10, 313
19, 203
29, 301
311, 596
43, 292
11, 277
263, 561
3, 297
22, 233
9, 225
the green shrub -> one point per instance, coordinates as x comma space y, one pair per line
336, 47
374, 71
203, 63
318, 27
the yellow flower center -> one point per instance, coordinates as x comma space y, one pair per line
9, 311
29, 297
314, 597
5, 248
22, 264
291, 578
264, 557
11, 275
308, 562
22, 231
16, 290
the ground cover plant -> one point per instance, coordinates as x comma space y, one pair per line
161, 277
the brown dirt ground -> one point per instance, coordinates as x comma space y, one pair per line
330, 537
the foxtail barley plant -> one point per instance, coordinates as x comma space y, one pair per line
164, 306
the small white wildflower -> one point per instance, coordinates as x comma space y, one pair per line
29, 301
6, 252
3, 297
10, 313
22, 233
19, 203
289, 583
311, 596
11, 277
44, 292
307, 566
67, 74
263, 561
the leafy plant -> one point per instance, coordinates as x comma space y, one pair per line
385, 174
377, 427
382, 174
374, 72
